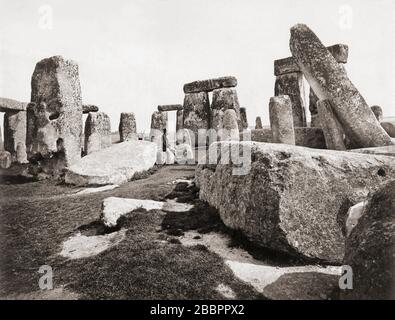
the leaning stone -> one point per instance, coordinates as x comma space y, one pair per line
292, 197
86, 108
15, 134
281, 120
114, 165
170, 107
7, 105
378, 112
291, 84
333, 131
127, 127
370, 249
55, 115
196, 113
258, 123
97, 132
243, 118
210, 85
289, 65
330, 81
224, 99
389, 127
5, 159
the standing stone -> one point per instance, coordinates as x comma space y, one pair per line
333, 131
97, 132
15, 134
55, 115
281, 120
197, 114
389, 127
313, 99
378, 112
5, 159
291, 84
127, 127
329, 80
210, 84
243, 118
224, 99
230, 128
180, 119
159, 129
258, 123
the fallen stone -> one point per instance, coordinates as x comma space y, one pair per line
289, 65
170, 107
258, 123
97, 132
127, 127
385, 151
329, 80
86, 108
378, 112
114, 165
55, 115
114, 208
333, 131
210, 85
7, 105
292, 197
370, 249
196, 114
389, 127
5, 159
292, 85
15, 135
281, 120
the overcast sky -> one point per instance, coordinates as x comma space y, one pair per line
136, 54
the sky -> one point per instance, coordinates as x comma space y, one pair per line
136, 54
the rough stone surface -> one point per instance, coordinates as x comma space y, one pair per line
310, 137
281, 120
313, 99
86, 108
289, 65
15, 135
370, 248
258, 123
329, 80
210, 84
55, 114
196, 113
385, 151
243, 118
291, 84
127, 127
378, 112
184, 154
5, 159
170, 107
333, 131
292, 197
230, 129
7, 105
114, 165
389, 127
224, 99
97, 132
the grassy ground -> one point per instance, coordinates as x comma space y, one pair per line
150, 263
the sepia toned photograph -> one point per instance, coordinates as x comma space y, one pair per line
212, 151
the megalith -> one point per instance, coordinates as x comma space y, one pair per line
97, 132
127, 127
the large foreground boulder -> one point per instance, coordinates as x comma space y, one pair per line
370, 248
293, 199
114, 165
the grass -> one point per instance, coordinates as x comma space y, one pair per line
150, 263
